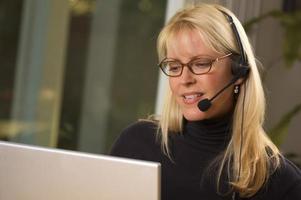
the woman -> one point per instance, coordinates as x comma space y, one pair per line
209, 138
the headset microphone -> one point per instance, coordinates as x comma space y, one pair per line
205, 104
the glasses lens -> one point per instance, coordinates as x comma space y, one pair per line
171, 68
201, 66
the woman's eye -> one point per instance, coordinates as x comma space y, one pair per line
201, 64
174, 67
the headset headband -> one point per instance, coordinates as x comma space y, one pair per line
243, 61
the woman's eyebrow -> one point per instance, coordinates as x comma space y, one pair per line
191, 58
202, 56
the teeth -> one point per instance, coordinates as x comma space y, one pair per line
192, 96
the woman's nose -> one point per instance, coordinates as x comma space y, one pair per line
187, 77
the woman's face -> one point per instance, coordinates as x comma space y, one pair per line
188, 89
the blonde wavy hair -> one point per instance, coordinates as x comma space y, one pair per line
248, 167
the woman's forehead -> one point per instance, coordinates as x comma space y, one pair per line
187, 44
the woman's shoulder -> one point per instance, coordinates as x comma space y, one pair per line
140, 129
288, 171
286, 181
135, 139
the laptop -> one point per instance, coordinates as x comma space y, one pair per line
35, 173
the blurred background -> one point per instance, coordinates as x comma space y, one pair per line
75, 73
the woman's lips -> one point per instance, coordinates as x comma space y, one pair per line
192, 98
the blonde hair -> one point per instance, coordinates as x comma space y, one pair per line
249, 167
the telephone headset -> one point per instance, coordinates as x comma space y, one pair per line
240, 69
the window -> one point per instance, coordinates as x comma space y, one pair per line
82, 70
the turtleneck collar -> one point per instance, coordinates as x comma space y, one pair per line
216, 132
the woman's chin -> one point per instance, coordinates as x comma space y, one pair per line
194, 115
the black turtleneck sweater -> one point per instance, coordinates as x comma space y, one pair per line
186, 177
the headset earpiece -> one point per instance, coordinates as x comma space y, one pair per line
239, 69
236, 60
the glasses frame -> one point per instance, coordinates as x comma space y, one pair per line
189, 65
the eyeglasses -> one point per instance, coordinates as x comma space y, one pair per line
198, 66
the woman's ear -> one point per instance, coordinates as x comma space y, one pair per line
239, 81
